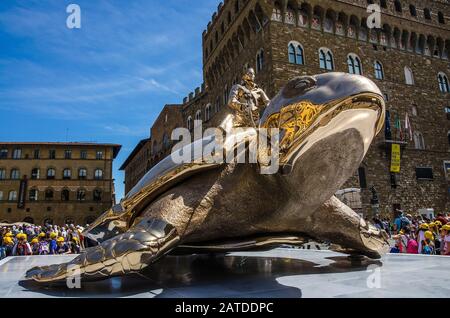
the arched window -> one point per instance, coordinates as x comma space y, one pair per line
412, 10
51, 174
12, 196
3, 153
98, 174
414, 110
441, 18
17, 153
15, 174
427, 13
28, 220
398, 6
82, 174
81, 195
2, 174
276, 13
33, 195
97, 195
69, 221
326, 59
290, 16
65, 195
208, 112
296, 53
35, 172
409, 77
198, 118
379, 73
48, 194
48, 222
67, 174
443, 83
354, 64
190, 124
260, 61
419, 141
1, 196
166, 142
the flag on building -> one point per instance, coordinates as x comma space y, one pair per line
408, 127
387, 126
398, 127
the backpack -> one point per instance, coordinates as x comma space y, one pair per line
404, 222
427, 250
43, 248
412, 247
22, 250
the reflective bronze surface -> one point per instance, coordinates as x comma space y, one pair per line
327, 123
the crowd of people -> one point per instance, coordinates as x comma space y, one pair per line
418, 235
411, 235
26, 240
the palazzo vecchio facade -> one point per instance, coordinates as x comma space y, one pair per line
408, 58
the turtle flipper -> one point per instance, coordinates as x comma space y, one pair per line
127, 253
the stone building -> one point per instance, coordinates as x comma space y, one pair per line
137, 163
150, 151
407, 57
56, 183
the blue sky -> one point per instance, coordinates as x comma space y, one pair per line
105, 82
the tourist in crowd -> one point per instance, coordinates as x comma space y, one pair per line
424, 227
22, 247
44, 246
61, 246
35, 246
52, 243
445, 240
8, 243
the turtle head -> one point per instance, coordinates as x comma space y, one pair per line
108, 225
311, 108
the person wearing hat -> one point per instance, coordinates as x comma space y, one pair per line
22, 247
428, 244
43, 246
445, 240
62, 247
421, 235
435, 227
53, 246
8, 243
75, 247
35, 246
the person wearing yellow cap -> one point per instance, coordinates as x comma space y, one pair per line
75, 247
62, 247
436, 228
445, 240
421, 235
22, 247
43, 246
53, 246
8, 243
429, 247
35, 246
